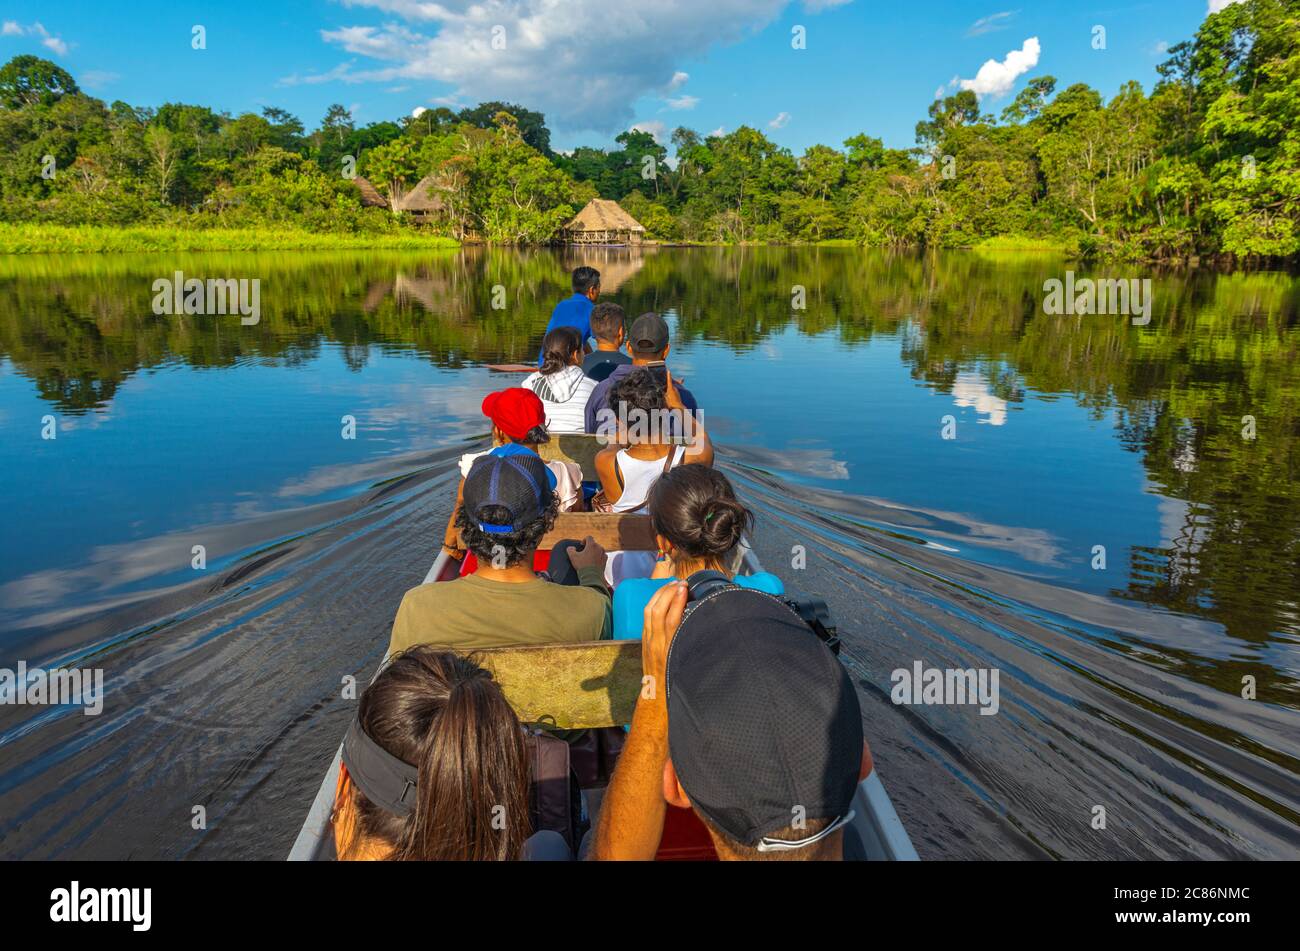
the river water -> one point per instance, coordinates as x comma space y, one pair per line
1113, 526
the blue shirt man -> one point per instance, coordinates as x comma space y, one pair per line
575, 311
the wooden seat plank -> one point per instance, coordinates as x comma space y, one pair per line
569, 686
613, 532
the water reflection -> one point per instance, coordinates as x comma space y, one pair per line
1174, 445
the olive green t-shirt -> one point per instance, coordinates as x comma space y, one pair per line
471, 613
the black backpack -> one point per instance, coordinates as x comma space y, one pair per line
812, 611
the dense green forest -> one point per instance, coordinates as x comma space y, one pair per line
1208, 163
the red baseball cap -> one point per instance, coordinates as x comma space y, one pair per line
515, 411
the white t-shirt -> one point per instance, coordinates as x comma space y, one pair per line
568, 478
639, 476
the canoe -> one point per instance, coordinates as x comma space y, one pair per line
595, 684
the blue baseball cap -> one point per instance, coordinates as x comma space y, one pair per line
518, 482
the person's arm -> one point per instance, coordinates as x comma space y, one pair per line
589, 564
451, 538
631, 821
605, 461
700, 450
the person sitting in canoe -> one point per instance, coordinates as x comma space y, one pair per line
560, 384
431, 726
750, 721
609, 327
575, 311
698, 523
648, 447
508, 504
647, 343
518, 425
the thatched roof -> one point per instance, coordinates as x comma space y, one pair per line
370, 197
601, 214
422, 198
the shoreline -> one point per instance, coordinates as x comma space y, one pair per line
34, 239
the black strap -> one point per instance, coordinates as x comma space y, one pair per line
703, 583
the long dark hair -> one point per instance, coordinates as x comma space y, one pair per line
558, 348
445, 715
696, 509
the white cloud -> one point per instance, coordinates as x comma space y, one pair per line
49, 40
996, 78
817, 6
545, 64
719, 132
418, 111
1217, 5
682, 102
780, 121
991, 23
654, 127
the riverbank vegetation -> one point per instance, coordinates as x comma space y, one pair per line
1206, 164
32, 238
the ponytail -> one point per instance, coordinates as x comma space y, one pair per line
445, 715
558, 348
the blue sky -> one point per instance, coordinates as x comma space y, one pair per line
596, 67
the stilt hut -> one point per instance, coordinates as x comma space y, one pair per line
603, 222
422, 202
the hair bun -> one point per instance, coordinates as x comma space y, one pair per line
722, 523
696, 509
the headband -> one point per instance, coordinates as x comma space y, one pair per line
384, 779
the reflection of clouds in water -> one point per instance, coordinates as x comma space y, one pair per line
970, 390
455, 410
114, 566
1032, 544
325, 479
111, 566
812, 463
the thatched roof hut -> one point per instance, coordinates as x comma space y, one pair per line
370, 197
603, 222
422, 202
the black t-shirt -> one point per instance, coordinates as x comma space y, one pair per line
599, 364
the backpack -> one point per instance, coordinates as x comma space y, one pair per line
554, 798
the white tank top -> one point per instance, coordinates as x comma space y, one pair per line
638, 477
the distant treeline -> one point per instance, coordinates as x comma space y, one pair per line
1207, 164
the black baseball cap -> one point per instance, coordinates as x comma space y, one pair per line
649, 333
519, 482
764, 725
